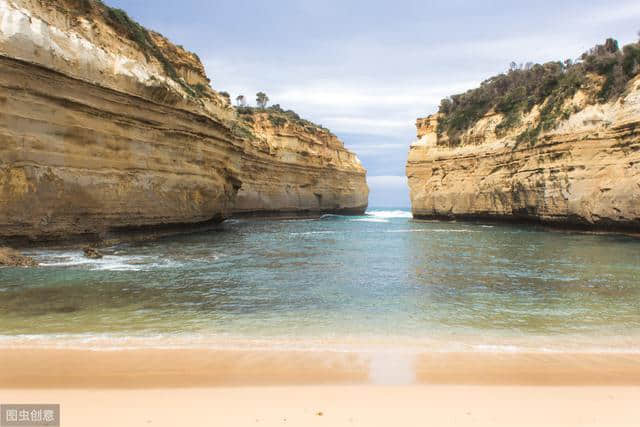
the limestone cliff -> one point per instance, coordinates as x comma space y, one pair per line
107, 126
294, 166
583, 171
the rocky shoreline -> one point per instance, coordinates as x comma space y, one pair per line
12, 258
517, 221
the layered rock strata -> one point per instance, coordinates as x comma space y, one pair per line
105, 126
584, 173
294, 167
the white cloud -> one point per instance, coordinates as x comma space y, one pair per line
356, 92
356, 95
378, 148
387, 181
620, 12
373, 126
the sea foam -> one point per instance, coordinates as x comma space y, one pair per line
390, 214
370, 220
106, 263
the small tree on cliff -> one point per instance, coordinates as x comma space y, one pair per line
262, 99
241, 101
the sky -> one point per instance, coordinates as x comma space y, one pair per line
366, 69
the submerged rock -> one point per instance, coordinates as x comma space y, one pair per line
12, 258
92, 253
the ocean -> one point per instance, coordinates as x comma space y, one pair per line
380, 280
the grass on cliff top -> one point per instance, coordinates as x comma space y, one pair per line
516, 92
120, 21
279, 117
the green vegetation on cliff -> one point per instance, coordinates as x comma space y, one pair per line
279, 117
120, 21
548, 85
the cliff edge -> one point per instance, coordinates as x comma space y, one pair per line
557, 143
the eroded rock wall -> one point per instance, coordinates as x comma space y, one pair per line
296, 169
96, 137
103, 130
585, 173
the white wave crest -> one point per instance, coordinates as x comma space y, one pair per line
370, 220
390, 214
106, 263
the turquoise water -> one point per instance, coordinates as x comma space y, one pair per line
378, 278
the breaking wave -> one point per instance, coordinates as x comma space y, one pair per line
76, 260
390, 214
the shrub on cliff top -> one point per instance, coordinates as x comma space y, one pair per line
549, 85
279, 117
277, 121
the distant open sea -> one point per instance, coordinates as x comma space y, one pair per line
381, 279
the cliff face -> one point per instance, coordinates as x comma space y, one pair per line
294, 166
105, 126
585, 172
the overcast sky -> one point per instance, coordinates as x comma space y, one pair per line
368, 69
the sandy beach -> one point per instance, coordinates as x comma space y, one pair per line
162, 387
418, 405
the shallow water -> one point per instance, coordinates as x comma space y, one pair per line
338, 281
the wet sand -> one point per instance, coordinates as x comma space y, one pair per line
161, 368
